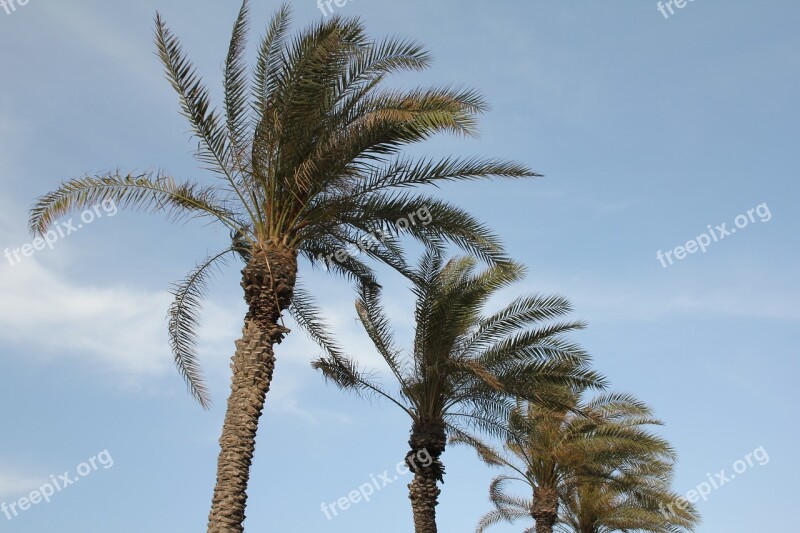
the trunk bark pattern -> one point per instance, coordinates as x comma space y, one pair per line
268, 281
427, 442
545, 509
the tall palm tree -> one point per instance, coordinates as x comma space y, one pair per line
307, 152
464, 368
575, 453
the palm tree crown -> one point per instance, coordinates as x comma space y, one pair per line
596, 461
464, 368
307, 153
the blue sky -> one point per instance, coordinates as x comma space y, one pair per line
647, 129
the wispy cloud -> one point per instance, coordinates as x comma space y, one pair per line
14, 484
117, 326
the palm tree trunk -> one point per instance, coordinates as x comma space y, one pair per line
545, 508
427, 442
268, 282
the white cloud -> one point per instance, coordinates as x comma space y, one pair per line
13, 484
117, 326
124, 330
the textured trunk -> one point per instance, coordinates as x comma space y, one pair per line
545, 509
268, 282
427, 444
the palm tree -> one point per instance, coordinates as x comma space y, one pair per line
464, 368
307, 153
575, 454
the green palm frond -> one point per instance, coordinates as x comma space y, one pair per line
499, 496
151, 191
236, 87
404, 172
485, 452
508, 508
184, 323
486, 415
420, 113
518, 314
351, 268
194, 98
214, 147
538, 343
270, 57
377, 326
309, 318
618, 405
369, 66
358, 240
346, 375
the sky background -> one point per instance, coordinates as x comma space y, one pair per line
647, 129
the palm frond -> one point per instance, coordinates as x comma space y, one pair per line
376, 324
318, 251
214, 145
447, 223
184, 322
408, 173
521, 313
305, 312
346, 375
269, 56
147, 191
507, 508
236, 82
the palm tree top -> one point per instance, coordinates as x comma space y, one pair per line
464, 367
610, 470
307, 150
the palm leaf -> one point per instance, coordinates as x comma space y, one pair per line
184, 322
